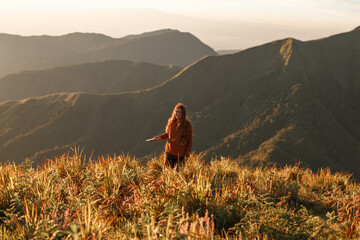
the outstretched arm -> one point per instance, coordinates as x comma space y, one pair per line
161, 137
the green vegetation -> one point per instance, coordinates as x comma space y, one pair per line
72, 197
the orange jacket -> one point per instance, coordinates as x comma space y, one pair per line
173, 145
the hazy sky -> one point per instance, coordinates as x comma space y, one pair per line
225, 24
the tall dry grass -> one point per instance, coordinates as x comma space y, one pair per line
116, 197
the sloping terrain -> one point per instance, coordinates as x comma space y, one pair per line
166, 46
101, 77
281, 102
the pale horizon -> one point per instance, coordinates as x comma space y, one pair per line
223, 26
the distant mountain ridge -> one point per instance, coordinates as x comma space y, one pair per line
224, 52
150, 34
111, 76
280, 102
42, 52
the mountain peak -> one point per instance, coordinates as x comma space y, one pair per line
357, 28
85, 36
286, 50
153, 33
76, 34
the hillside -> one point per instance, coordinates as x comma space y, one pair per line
72, 197
41, 52
281, 102
101, 77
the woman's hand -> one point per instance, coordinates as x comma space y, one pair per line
157, 138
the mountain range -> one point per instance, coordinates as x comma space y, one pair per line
166, 46
281, 102
112, 76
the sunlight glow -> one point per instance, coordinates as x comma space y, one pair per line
226, 24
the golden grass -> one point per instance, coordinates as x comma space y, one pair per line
118, 198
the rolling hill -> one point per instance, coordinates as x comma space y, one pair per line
111, 76
41, 52
280, 102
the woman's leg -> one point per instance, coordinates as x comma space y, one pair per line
172, 161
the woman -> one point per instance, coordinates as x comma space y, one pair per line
179, 134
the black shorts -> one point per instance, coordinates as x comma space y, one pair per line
172, 160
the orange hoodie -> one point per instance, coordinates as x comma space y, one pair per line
173, 145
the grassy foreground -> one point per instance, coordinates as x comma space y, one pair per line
118, 198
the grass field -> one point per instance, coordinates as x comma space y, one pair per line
74, 197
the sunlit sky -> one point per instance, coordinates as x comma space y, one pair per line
225, 24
